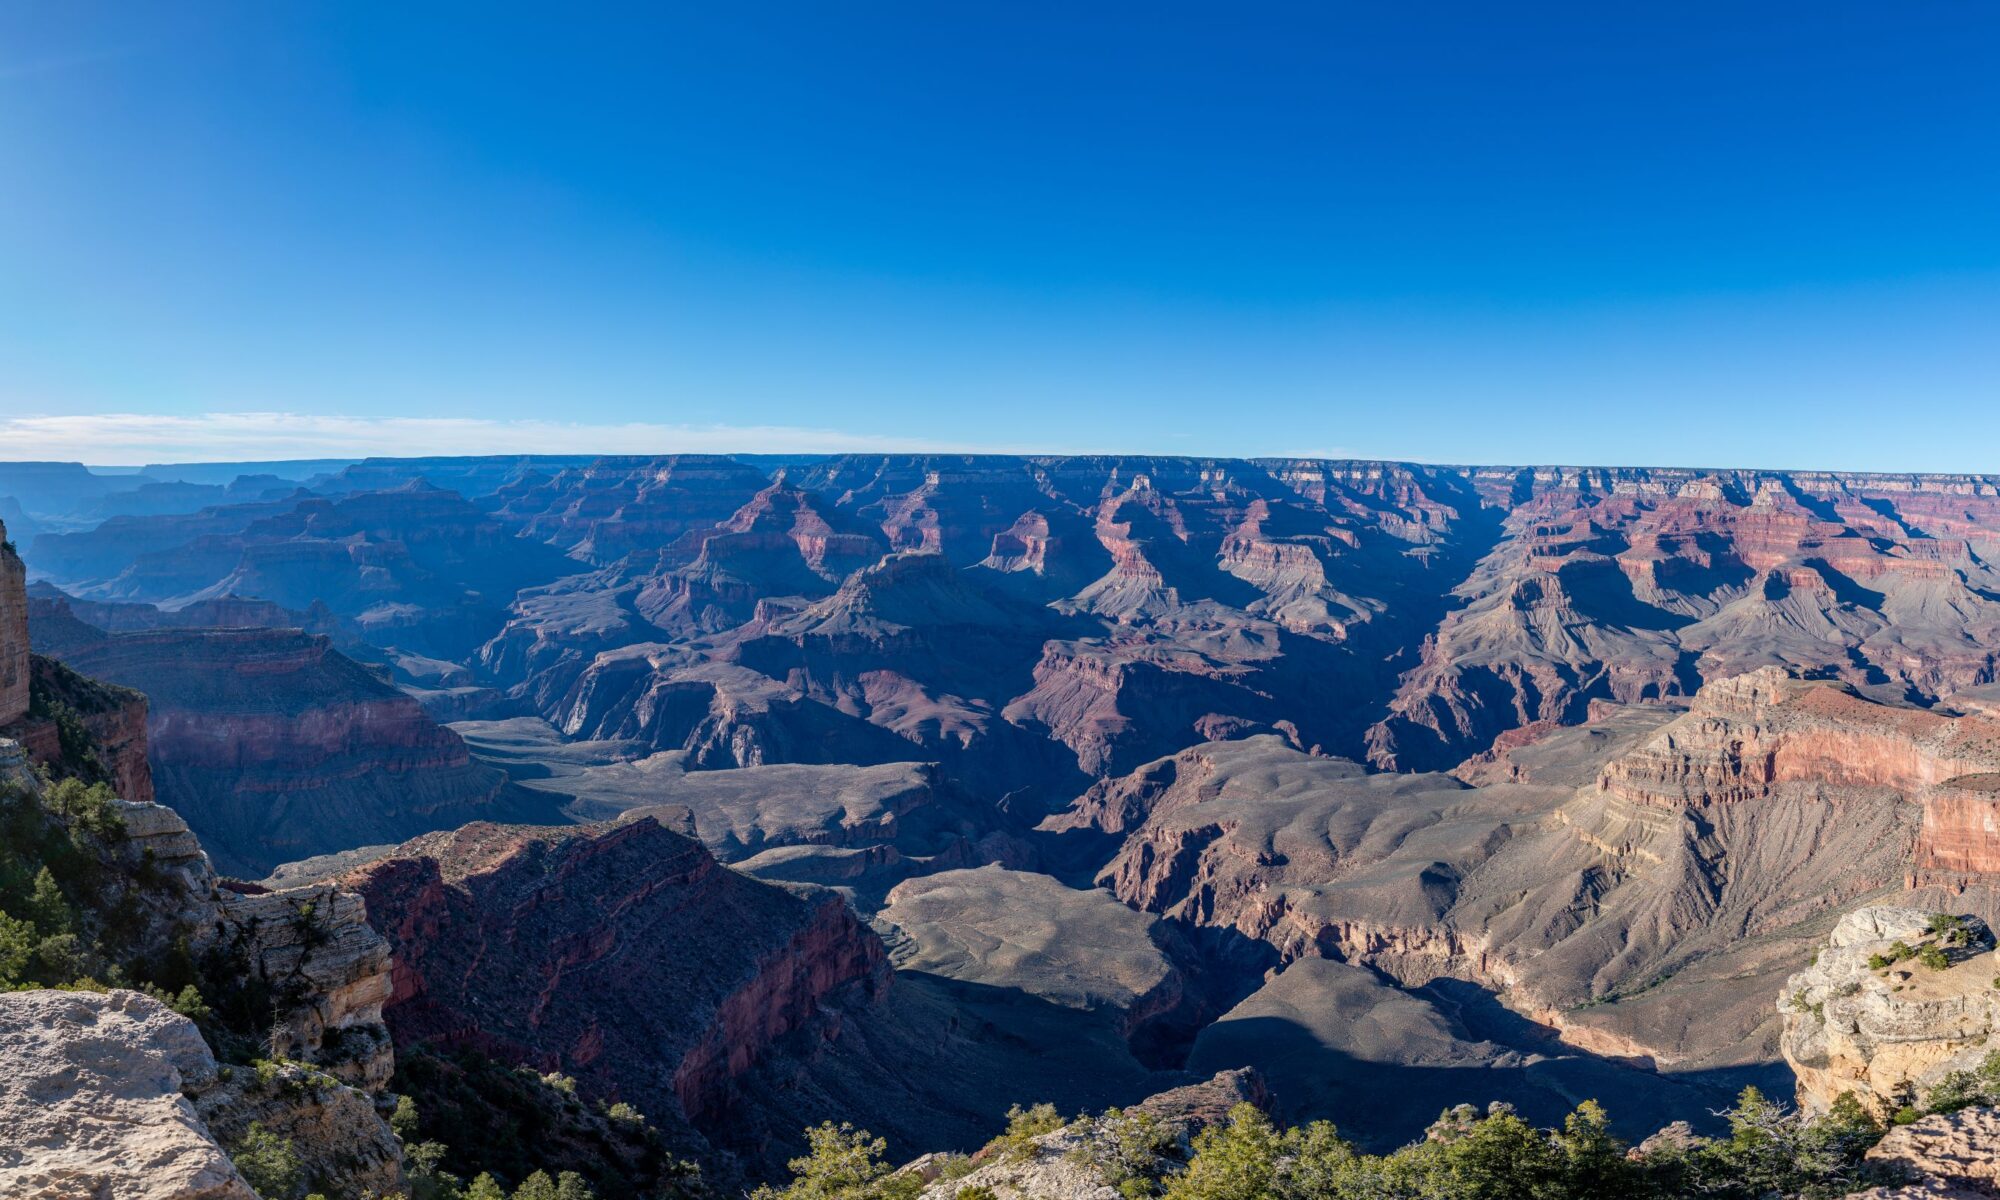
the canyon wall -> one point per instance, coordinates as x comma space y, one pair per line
1639, 885
275, 746
117, 1095
621, 954
13, 633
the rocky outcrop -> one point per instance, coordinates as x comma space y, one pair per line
309, 951
275, 746
1866, 1018
1058, 1165
85, 728
13, 634
622, 954
94, 1098
1950, 1156
343, 1143
114, 1094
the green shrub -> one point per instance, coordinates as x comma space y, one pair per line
269, 1164
842, 1163
1024, 1125
1128, 1150
403, 1121
1236, 1160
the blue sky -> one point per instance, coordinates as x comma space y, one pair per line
1697, 233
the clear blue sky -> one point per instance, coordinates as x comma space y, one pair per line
1710, 233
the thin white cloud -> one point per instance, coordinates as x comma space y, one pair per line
120, 439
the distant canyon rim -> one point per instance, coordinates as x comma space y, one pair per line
757, 790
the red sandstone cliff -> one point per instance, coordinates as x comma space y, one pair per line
621, 954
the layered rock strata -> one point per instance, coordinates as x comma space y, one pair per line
621, 954
275, 746
1866, 1018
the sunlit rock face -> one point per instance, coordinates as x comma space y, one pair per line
92, 1099
13, 633
114, 1094
1630, 585
1888, 1033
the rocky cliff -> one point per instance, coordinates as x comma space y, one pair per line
95, 1099
13, 633
295, 976
1871, 1016
85, 728
621, 954
1638, 886
1634, 584
275, 746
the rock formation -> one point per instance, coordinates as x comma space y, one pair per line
275, 746
1951, 1156
601, 511
622, 954
13, 634
98, 1080
1541, 780
1870, 1019
94, 1101
1057, 1165
1630, 585
1621, 884
85, 727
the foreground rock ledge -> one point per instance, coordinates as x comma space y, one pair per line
1951, 1156
91, 1101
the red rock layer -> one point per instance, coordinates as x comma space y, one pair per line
623, 955
276, 747
114, 718
1629, 584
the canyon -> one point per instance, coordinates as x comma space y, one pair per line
758, 792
